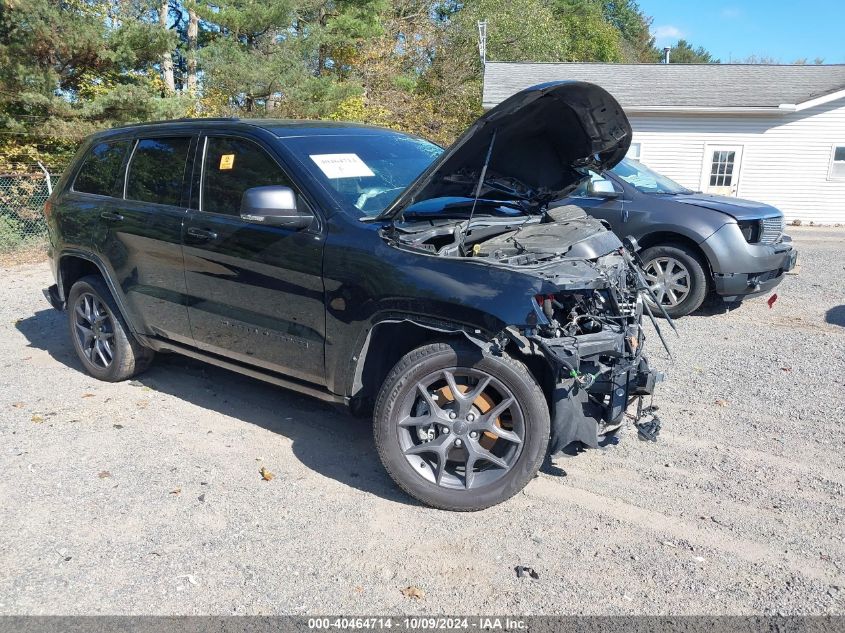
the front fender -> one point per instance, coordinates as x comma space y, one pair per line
368, 282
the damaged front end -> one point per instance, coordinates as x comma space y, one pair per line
591, 334
487, 199
589, 329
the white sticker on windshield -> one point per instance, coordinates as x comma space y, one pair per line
341, 165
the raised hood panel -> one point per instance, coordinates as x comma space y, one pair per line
543, 134
737, 208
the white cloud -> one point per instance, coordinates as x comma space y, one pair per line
667, 32
731, 13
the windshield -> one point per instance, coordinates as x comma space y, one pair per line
645, 180
366, 171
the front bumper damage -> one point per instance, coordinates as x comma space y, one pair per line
600, 374
583, 412
599, 378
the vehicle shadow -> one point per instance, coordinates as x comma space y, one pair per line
324, 438
836, 316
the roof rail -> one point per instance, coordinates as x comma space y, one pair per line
186, 119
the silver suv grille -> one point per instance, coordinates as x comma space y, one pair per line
772, 229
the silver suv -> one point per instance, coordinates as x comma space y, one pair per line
693, 244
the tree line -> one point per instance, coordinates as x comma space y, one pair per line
70, 67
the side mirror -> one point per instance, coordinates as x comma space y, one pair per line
274, 206
602, 188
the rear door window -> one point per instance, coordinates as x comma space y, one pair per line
101, 172
233, 165
157, 170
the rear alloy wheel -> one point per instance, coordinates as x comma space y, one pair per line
94, 328
100, 336
459, 429
676, 277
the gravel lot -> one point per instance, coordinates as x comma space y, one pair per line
146, 498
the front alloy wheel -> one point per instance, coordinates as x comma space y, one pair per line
668, 279
676, 275
461, 429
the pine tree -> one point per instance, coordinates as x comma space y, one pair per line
70, 67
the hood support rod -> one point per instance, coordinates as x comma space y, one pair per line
481, 179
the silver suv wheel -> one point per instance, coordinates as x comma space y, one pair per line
669, 280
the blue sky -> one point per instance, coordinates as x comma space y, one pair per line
785, 30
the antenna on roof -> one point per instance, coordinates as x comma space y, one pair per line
482, 41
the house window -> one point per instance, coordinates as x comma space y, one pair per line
722, 168
837, 163
634, 151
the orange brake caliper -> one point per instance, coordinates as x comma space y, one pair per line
483, 403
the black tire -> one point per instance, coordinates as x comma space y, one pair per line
507, 376
696, 271
127, 356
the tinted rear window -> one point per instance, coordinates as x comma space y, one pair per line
157, 170
100, 172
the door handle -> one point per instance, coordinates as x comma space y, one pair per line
111, 216
202, 234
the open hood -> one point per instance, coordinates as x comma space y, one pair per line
544, 137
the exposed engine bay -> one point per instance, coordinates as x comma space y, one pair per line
589, 331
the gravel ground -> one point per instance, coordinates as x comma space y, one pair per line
145, 497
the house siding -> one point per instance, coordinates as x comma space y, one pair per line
785, 162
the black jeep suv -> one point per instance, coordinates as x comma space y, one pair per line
371, 268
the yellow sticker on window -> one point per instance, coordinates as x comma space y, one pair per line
227, 161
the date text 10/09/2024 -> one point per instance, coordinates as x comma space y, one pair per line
420, 623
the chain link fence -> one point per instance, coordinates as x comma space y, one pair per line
23, 191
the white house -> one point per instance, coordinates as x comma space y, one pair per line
773, 133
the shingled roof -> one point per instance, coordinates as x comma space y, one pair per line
679, 87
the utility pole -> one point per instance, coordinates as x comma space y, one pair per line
482, 41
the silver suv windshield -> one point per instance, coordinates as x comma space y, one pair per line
645, 180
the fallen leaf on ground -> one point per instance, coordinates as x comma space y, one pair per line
88, 395
721, 403
18, 405
117, 426
175, 491
103, 474
786, 368
37, 419
266, 475
413, 592
143, 404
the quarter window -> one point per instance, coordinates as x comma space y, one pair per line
232, 166
157, 170
100, 172
837, 163
634, 151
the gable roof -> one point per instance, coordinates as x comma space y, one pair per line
680, 87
